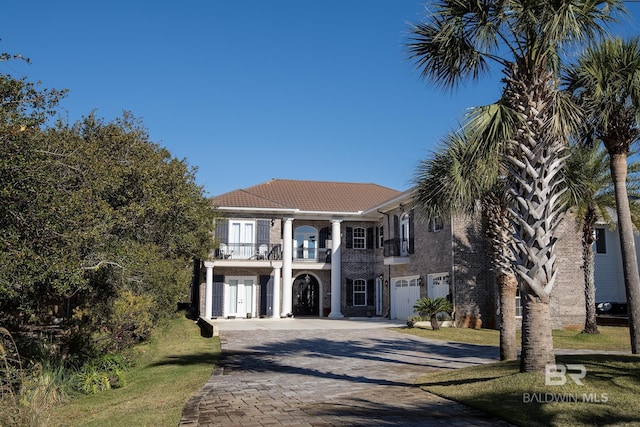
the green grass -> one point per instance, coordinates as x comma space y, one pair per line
173, 366
610, 338
608, 395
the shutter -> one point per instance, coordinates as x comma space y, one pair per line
263, 232
377, 237
222, 231
349, 292
370, 292
218, 295
349, 239
264, 303
396, 226
324, 236
370, 238
411, 233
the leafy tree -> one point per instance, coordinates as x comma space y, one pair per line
532, 120
606, 82
92, 214
452, 181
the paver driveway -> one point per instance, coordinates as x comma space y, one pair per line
330, 375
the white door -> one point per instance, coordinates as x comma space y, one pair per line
241, 239
239, 297
405, 293
378, 297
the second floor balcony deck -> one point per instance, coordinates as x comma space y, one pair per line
262, 252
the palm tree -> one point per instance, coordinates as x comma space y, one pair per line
532, 120
453, 180
606, 82
430, 307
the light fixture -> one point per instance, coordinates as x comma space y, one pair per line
307, 279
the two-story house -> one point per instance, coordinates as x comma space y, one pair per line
334, 249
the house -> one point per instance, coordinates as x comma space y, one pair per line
608, 272
335, 249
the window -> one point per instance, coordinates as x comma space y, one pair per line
359, 292
359, 238
306, 242
518, 304
404, 235
381, 237
435, 224
601, 241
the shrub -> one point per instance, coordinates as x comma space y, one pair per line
430, 308
99, 374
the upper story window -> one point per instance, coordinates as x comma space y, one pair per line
306, 241
359, 238
404, 235
381, 237
435, 224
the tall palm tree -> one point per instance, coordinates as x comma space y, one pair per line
452, 181
526, 38
606, 81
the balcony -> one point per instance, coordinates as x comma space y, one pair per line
263, 252
249, 251
396, 251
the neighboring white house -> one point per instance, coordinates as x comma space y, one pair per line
609, 277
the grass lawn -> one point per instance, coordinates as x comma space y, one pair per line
173, 366
608, 396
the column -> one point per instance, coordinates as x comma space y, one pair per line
208, 304
287, 259
336, 271
276, 293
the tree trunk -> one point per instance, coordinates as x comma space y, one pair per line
618, 162
508, 286
534, 163
537, 341
435, 325
590, 323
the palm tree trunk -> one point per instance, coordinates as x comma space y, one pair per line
618, 162
535, 161
537, 341
590, 321
508, 286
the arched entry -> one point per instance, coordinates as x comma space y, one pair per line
306, 296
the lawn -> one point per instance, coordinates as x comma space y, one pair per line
607, 396
173, 366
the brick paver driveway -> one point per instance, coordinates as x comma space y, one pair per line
330, 377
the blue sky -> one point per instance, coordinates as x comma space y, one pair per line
249, 90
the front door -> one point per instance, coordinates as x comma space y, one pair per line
306, 301
239, 297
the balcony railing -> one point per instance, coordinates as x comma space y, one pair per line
396, 247
251, 251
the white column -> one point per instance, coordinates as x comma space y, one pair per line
287, 258
336, 273
276, 293
208, 304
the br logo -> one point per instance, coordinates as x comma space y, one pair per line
557, 374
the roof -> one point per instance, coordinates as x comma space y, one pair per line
319, 196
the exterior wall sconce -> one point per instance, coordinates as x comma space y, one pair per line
420, 281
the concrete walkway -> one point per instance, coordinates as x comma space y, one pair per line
321, 372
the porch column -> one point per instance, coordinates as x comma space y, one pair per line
336, 271
208, 302
276, 293
287, 258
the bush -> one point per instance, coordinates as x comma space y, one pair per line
102, 373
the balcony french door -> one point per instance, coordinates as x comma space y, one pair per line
242, 239
306, 242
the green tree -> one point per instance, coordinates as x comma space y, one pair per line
532, 120
606, 82
451, 181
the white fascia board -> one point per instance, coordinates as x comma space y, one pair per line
393, 203
261, 210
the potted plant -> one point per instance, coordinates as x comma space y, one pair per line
429, 308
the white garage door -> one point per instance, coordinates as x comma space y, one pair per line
404, 296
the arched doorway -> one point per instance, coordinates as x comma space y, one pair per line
306, 296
